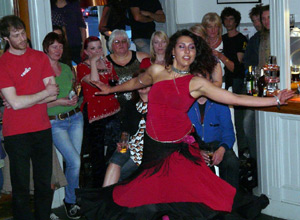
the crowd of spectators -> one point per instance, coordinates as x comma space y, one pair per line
83, 122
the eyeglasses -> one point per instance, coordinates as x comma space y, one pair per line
118, 42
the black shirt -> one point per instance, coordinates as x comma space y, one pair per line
139, 29
232, 46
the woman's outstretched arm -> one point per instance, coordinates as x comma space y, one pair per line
202, 87
142, 80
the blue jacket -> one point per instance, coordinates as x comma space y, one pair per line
217, 124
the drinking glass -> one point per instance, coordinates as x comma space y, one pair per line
292, 20
112, 81
124, 140
210, 154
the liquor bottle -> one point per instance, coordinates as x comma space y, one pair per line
249, 81
261, 84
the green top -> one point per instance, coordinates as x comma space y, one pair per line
65, 83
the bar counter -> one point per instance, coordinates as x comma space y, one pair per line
293, 107
278, 156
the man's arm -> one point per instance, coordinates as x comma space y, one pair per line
26, 101
50, 98
137, 15
103, 21
227, 133
83, 37
158, 16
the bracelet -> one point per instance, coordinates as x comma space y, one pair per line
140, 81
226, 60
278, 102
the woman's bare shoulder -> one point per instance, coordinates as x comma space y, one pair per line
141, 55
157, 69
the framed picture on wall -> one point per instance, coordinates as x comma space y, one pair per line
237, 1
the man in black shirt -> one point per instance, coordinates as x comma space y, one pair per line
234, 48
142, 17
114, 16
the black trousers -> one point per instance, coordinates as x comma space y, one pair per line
97, 135
36, 146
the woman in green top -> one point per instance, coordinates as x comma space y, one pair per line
66, 120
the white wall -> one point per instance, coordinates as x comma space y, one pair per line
192, 11
6, 7
295, 9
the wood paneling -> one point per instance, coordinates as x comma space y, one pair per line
21, 10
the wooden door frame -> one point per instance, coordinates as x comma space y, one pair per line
21, 10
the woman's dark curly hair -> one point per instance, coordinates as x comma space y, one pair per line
204, 62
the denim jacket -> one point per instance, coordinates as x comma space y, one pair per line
217, 124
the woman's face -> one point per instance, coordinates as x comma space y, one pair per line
184, 52
94, 48
120, 45
212, 30
55, 51
159, 45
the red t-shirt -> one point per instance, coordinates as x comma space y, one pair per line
98, 106
26, 73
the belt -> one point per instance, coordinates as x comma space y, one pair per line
63, 116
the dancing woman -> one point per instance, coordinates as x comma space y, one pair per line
173, 179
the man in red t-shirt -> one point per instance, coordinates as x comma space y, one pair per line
27, 84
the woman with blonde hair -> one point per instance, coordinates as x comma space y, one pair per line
212, 25
199, 30
158, 44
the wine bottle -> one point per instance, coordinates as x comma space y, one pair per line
249, 81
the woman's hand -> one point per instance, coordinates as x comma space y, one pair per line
95, 57
104, 89
285, 95
205, 156
68, 102
121, 145
217, 54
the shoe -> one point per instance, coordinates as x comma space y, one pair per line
54, 217
72, 210
253, 209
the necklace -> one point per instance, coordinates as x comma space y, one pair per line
181, 72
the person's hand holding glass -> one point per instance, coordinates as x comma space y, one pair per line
123, 144
207, 155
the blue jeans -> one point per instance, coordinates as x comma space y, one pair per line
142, 45
67, 137
127, 165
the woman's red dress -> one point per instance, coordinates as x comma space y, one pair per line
172, 173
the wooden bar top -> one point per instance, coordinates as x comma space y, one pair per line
293, 107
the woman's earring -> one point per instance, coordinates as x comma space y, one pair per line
173, 56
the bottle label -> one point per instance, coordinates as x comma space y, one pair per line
249, 87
